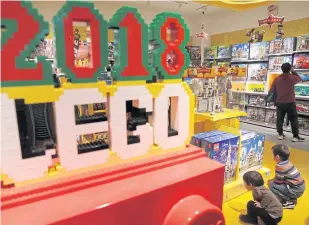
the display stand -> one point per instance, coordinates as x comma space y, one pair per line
208, 121
236, 188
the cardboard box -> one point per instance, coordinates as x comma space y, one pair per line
197, 138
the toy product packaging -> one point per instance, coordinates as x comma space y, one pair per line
251, 152
303, 123
257, 72
195, 53
270, 116
274, 64
236, 100
259, 50
260, 114
252, 113
220, 70
197, 138
211, 52
302, 89
302, 43
302, 106
256, 100
238, 72
240, 52
304, 76
301, 61
224, 51
223, 149
282, 46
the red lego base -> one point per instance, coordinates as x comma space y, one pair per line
183, 187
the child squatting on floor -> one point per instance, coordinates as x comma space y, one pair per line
288, 185
265, 206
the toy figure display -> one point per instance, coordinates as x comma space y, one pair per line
302, 43
302, 89
302, 106
279, 32
257, 72
209, 98
223, 148
275, 63
256, 100
211, 52
259, 51
82, 45
240, 52
111, 51
251, 153
271, 116
224, 52
282, 46
238, 72
301, 61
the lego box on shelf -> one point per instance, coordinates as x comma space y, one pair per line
301, 61
275, 63
302, 89
224, 52
195, 53
302, 43
252, 113
211, 52
257, 72
240, 52
259, 51
256, 100
223, 149
251, 152
260, 114
197, 138
282, 46
271, 116
238, 72
304, 76
302, 106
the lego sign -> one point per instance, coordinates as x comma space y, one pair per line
271, 20
87, 122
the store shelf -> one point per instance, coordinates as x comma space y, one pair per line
301, 69
255, 93
301, 51
272, 126
302, 97
226, 58
303, 114
260, 106
241, 92
280, 54
248, 60
255, 82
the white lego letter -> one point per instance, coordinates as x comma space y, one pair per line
118, 121
67, 130
13, 164
180, 113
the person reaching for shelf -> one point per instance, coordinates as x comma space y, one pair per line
283, 87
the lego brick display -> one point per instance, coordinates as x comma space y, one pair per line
256, 100
274, 64
282, 46
224, 52
301, 61
259, 51
302, 43
211, 52
271, 116
224, 149
238, 72
240, 52
251, 153
257, 72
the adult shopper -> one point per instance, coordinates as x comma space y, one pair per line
283, 87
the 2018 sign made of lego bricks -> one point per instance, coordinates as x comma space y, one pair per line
32, 81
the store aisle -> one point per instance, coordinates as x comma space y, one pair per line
298, 216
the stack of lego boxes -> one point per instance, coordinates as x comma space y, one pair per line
222, 147
251, 152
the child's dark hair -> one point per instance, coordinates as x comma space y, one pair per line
282, 151
253, 178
